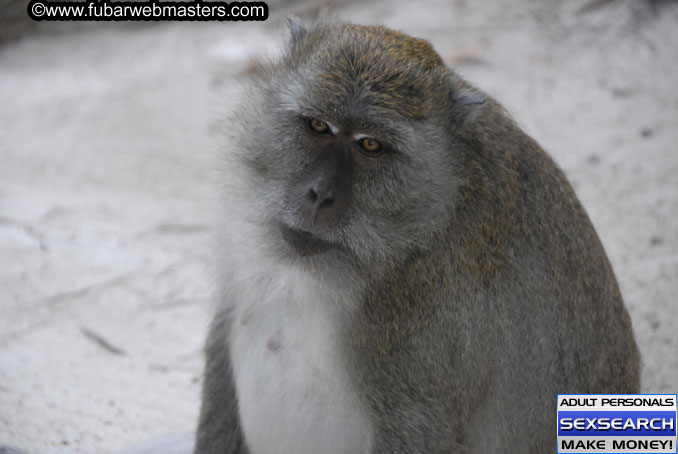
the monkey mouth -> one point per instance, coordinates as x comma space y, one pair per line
303, 242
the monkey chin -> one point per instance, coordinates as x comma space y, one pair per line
305, 243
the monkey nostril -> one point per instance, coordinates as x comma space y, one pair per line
324, 199
327, 202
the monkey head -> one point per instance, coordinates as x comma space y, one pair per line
350, 143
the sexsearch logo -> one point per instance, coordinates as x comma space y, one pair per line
616, 423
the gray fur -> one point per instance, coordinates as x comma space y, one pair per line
219, 428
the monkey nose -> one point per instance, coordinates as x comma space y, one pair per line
321, 194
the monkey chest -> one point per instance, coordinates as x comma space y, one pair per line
293, 388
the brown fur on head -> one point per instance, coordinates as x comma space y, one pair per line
383, 68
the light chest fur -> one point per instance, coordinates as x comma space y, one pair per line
294, 392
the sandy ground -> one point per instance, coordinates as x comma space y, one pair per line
106, 189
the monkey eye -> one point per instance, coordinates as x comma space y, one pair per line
371, 146
319, 126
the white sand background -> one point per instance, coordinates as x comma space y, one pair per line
107, 158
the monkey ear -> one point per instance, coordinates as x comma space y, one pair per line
466, 103
468, 98
296, 28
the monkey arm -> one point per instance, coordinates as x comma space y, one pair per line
411, 417
219, 429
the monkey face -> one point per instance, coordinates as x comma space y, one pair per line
350, 149
322, 195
